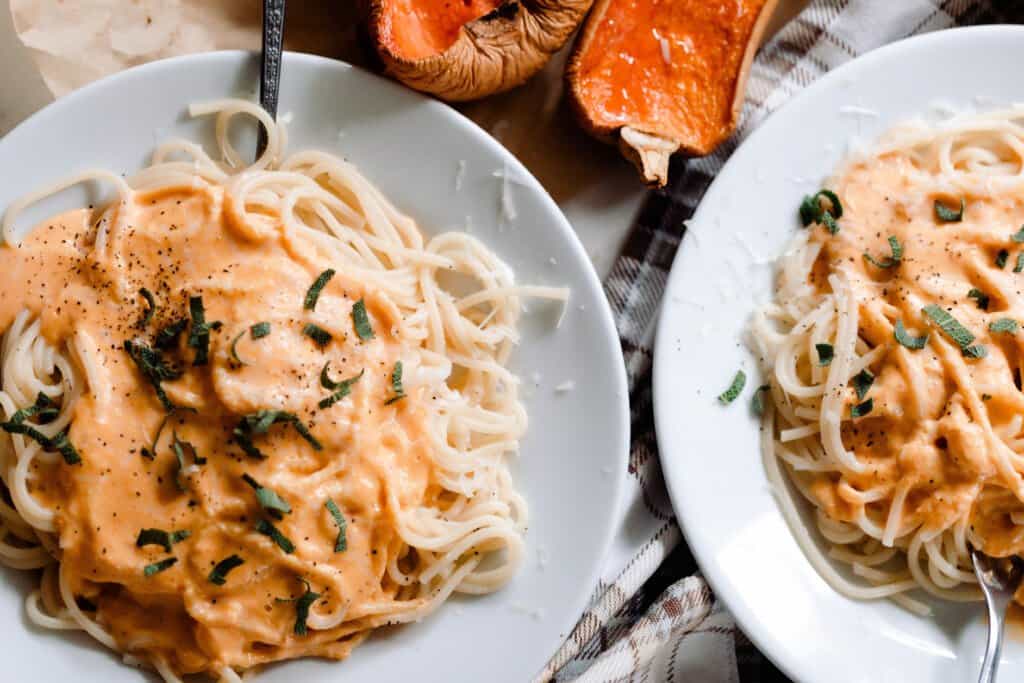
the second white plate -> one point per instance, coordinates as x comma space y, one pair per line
723, 271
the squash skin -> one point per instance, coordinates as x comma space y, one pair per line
648, 147
492, 54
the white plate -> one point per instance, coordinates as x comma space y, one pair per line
710, 453
410, 146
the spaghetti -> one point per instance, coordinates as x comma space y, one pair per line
894, 357
251, 414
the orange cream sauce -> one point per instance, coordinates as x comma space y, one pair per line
179, 243
420, 28
668, 67
927, 431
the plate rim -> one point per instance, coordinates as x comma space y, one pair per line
619, 399
755, 628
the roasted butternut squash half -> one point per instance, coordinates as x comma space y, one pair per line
466, 49
664, 76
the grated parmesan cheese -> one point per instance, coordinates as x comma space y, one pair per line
565, 387
460, 174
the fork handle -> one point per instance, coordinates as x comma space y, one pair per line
996, 622
270, 63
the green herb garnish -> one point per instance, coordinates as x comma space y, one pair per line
319, 335
361, 320
147, 317
302, 605
1008, 325
862, 409
959, 334
1001, 258
314, 290
862, 382
825, 354
980, 297
199, 334
157, 567
164, 539
986, 397
260, 422
912, 343
260, 330
812, 211
948, 215
44, 411
155, 369
730, 394
976, 351
341, 542
1018, 236
151, 452
888, 261
167, 338
396, 384
274, 504
267, 529
343, 387
757, 403
1019, 267
234, 349
179, 447
219, 574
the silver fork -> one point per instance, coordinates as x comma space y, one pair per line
270, 63
999, 579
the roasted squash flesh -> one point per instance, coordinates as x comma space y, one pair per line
668, 66
414, 29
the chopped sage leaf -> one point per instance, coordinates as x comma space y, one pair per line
157, 567
825, 354
199, 334
396, 384
976, 351
1008, 325
302, 605
219, 574
757, 402
153, 366
959, 334
361, 321
260, 330
319, 335
862, 382
1001, 258
343, 387
980, 297
904, 338
1018, 236
267, 529
948, 215
167, 337
147, 316
811, 210
161, 538
268, 499
731, 394
341, 542
888, 261
862, 409
314, 290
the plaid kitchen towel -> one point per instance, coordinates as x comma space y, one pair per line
653, 618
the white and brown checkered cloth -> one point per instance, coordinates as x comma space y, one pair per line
653, 619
